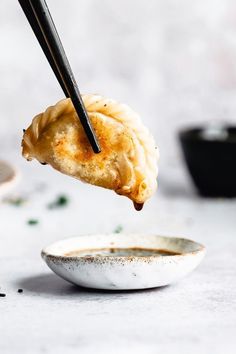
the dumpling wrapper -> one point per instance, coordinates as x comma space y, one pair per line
127, 162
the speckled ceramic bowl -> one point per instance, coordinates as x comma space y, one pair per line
123, 262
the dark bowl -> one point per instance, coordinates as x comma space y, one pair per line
210, 155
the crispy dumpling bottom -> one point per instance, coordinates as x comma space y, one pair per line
127, 163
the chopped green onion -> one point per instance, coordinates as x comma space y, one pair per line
18, 201
32, 222
60, 202
118, 229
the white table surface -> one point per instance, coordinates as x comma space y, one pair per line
174, 63
195, 316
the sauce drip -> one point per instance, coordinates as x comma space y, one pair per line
138, 206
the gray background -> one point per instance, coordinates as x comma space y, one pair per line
172, 61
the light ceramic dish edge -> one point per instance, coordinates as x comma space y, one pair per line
123, 273
9, 176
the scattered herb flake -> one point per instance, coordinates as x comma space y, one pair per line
118, 229
20, 291
32, 222
18, 201
60, 202
2, 295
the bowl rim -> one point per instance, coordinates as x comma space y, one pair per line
45, 254
191, 133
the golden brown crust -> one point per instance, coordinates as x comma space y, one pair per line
128, 161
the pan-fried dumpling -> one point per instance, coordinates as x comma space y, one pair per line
127, 162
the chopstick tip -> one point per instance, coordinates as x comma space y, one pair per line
96, 149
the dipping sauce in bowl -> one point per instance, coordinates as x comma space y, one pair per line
121, 252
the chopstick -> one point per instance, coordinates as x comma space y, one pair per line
43, 26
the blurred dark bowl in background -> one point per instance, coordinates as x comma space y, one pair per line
210, 155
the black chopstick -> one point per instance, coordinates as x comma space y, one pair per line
49, 38
26, 7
